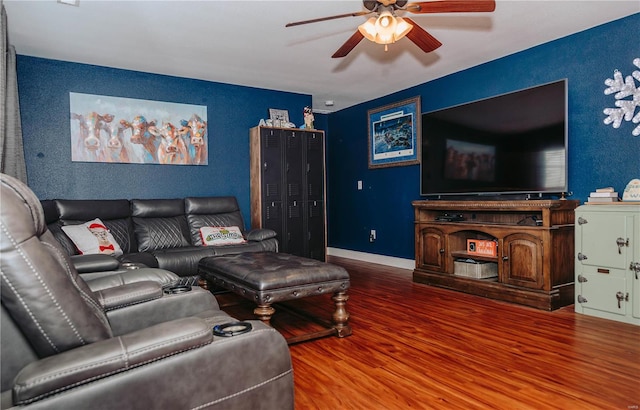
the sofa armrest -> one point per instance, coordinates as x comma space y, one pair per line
260, 234
249, 371
144, 258
124, 277
94, 263
89, 363
130, 318
126, 295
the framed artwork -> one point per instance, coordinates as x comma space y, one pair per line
278, 117
394, 134
132, 131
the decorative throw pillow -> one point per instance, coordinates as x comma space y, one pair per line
221, 235
93, 237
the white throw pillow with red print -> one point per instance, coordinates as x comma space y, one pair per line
93, 237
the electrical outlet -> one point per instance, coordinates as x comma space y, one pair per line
372, 235
359, 185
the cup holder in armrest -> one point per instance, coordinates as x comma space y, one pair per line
130, 265
232, 329
173, 290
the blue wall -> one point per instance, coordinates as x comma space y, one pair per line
598, 154
44, 87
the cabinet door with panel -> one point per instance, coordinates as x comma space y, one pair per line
522, 260
603, 238
604, 292
431, 249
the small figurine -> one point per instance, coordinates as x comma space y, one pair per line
308, 118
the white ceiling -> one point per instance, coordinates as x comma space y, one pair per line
246, 42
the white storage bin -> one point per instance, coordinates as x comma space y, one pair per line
475, 269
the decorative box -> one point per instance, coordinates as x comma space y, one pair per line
474, 269
482, 247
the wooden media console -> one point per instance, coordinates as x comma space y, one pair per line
534, 240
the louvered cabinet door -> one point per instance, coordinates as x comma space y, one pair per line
293, 157
316, 248
315, 166
267, 207
315, 193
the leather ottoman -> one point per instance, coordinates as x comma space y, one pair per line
269, 277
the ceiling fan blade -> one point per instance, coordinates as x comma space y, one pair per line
421, 38
338, 16
348, 45
451, 6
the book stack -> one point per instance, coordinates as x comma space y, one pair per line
603, 196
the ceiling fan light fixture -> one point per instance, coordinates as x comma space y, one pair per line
368, 29
402, 28
384, 29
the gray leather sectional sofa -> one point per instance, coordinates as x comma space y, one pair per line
158, 233
130, 346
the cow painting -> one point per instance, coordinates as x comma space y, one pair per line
127, 130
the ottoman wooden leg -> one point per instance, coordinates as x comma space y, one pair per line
264, 313
341, 316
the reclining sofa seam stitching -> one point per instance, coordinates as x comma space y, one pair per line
18, 388
97, 308
137, 302
18, 248
248, 389
124, 355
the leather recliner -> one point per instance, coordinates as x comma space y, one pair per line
134, 346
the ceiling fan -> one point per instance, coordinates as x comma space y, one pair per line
386, 28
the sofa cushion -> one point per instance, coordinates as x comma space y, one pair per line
114, 213
218, 211
159, 224
93, 237
221, 235
160, 233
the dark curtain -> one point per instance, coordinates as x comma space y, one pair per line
11, 149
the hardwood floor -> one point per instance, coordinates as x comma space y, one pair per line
421, 347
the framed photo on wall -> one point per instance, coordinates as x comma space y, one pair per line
394, 134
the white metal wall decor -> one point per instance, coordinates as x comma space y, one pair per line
127, 130
625, 106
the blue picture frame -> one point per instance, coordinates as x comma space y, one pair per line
394, 134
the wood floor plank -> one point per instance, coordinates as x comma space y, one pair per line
420, 347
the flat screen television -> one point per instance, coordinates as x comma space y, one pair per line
510, 144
